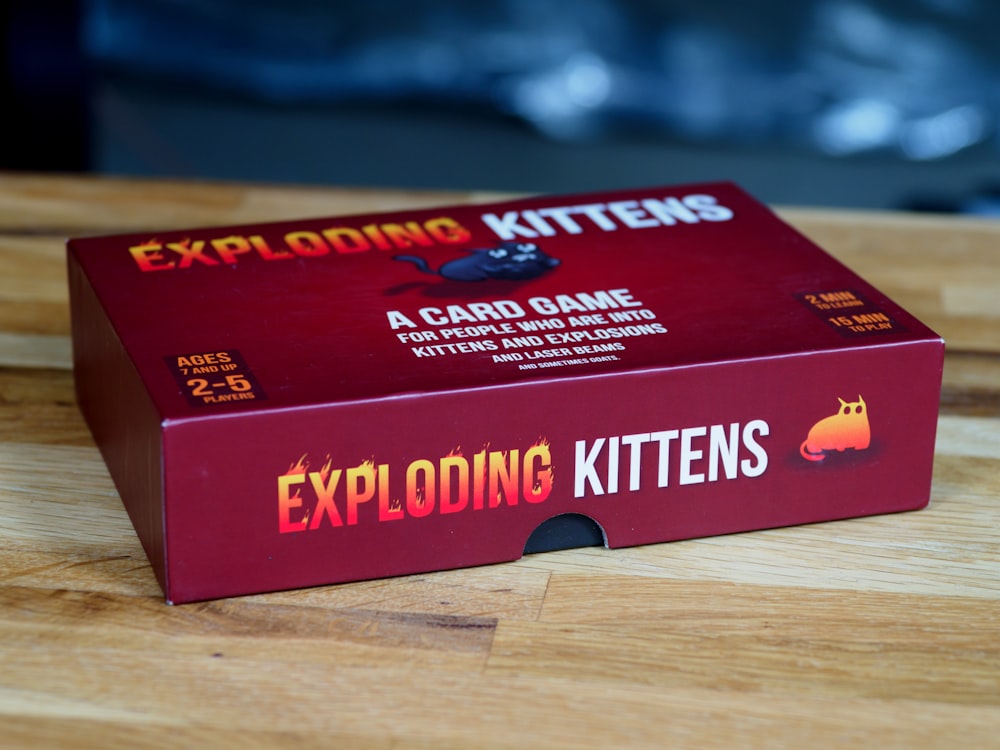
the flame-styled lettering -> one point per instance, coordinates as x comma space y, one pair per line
420, 494
360, 488
156, 255
228, 248
453, 483
324, 496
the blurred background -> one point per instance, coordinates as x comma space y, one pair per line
855, 103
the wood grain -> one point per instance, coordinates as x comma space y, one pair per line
880, 631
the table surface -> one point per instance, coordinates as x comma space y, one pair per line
876, 632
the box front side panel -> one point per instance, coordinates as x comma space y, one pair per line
304, 497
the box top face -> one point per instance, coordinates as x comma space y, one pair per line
222, 320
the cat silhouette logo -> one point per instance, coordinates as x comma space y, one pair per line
848, 428
510, 261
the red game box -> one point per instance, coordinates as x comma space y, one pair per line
330, 400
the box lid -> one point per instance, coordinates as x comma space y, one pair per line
291, 314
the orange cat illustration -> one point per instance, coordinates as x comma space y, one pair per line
848, 428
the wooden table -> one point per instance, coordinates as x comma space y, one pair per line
879, 632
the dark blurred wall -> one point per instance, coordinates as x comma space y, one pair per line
44, 86
875, 103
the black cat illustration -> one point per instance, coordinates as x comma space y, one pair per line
511, 261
